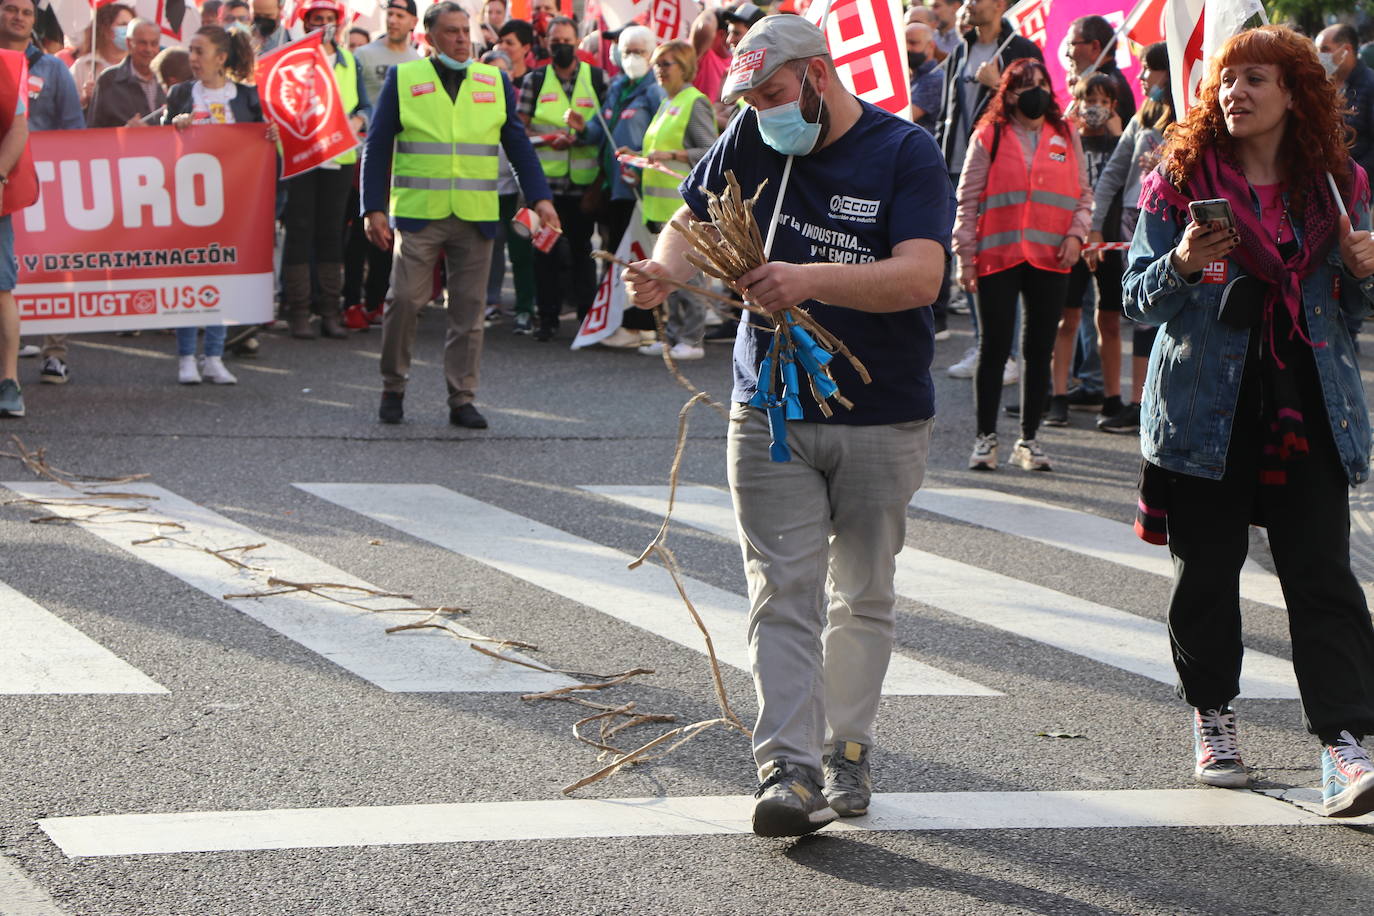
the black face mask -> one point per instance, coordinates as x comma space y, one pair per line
563, 55
265, 26
1033, 102
914, 59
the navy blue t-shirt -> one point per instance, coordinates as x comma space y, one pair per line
881, 183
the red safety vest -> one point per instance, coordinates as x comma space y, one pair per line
1024, 217
22, 188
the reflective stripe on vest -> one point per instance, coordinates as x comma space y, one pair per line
446, 157
666, 133
346, 75
1023, 216
579, 162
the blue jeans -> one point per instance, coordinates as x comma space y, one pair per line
214, 340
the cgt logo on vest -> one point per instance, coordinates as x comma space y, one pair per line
297, 88
854, 209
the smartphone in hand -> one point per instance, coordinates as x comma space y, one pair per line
1207, 212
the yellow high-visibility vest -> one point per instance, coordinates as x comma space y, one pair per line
578, 162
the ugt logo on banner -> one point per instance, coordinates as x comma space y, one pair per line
299, 95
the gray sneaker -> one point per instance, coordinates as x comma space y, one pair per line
790, 803
11, 399
848, 784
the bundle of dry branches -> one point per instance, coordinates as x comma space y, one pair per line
728, 246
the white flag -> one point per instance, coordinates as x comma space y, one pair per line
608, 308
1195, 30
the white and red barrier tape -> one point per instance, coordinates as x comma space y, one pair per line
642, 162
1107, 246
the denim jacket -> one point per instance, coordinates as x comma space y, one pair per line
1194, 377
629, 122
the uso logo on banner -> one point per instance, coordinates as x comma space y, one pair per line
134, 228
869, 50
299, 95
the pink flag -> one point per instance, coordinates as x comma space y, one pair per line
1046, 22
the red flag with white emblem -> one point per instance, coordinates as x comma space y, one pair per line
868, 45
299, 95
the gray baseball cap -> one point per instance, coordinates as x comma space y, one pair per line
770, 43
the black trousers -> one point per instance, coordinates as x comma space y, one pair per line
359, 252
1308, 519
314, 219
1043, 293
567, 270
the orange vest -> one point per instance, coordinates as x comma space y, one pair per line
1025, 217
22, 188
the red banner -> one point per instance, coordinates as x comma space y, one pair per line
136, 228
299, 95
868, 44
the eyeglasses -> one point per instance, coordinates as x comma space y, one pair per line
665, 62
1079, 42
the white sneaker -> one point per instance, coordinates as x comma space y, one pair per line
984, 457
1012, 374
965, 367
653, 349
214, 371
1029, 454
683, 351
187, 373
28, 351
621, 339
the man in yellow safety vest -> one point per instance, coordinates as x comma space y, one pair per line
556, 103
438, 126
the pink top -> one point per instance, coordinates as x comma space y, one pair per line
711, 70
1271, 212
975, 178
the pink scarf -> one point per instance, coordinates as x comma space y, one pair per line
1220, 176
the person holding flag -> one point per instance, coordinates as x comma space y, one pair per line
19, 188
820, 532
438, 127
1247, 258
315, 200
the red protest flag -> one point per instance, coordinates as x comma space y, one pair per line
21, 189
299, 95
1145, 26
868, 45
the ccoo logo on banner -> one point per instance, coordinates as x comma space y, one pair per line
300, 96
869, 50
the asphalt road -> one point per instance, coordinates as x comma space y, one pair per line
253, 720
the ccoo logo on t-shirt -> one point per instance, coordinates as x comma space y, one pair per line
853, 209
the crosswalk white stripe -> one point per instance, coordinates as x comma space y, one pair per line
1080, 532
1072, 624
566, 819
591, 574
415, 661
40, 653
21, 897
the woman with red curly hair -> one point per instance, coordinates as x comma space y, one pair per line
1025, 207
1253, 409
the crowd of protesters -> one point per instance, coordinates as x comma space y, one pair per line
1253, 407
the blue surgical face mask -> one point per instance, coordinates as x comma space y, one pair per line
1158, 93
784, 128
121, 37
450, 62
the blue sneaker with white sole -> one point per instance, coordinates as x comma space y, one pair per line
11, 398
1347, 778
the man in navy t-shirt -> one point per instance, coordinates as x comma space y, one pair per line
860, 243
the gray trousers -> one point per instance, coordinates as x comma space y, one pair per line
467, 257
820, 536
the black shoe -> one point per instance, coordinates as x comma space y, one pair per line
1085, 400
524, 324
1058, 413
331, 329
545, 333
789, 803
722, 333
1127, 421
392, 410
466, 416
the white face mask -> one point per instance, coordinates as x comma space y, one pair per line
634, 65
1329, 62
